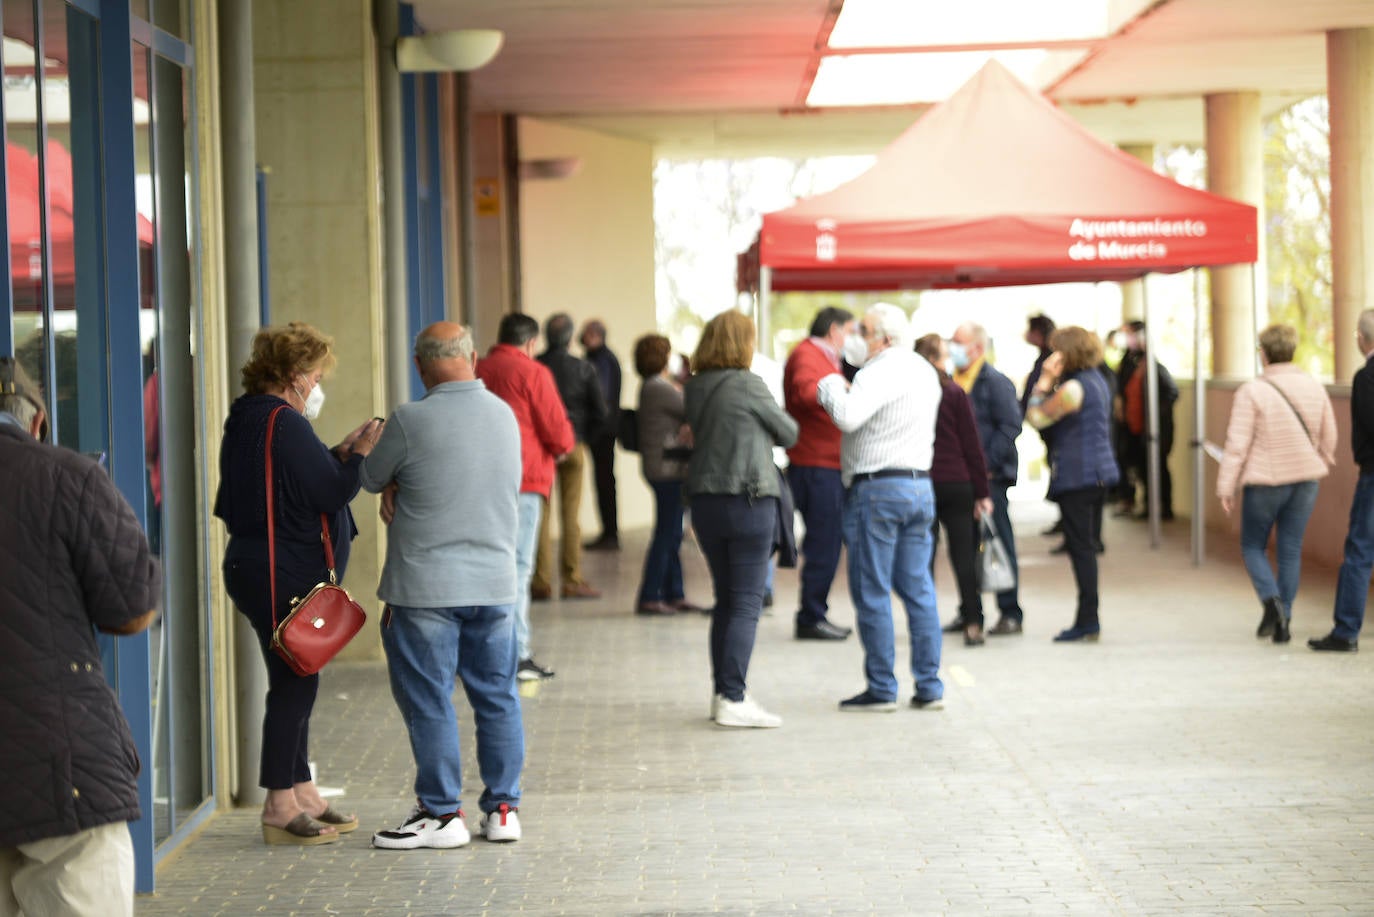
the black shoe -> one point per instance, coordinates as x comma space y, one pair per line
973, 635
1004, 627
768, 599
1101, 548
1273, 613
1056, 529
529, 670
822, 630
1061, 548
1281, 631
954, 627
1333, 644
867, 703
604, 543
929, 703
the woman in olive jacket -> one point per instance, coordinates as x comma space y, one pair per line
733, 487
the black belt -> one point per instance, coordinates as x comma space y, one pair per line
913, 473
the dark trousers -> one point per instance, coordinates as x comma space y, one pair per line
954, 510
818, 494
285, 757
1008, 600
736, 535
1139, 462
663, 562
1082, 514
603, 461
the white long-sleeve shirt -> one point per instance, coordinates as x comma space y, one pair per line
887, 416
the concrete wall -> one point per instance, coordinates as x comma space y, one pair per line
587, 248
315, 84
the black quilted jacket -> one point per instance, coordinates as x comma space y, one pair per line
72, 556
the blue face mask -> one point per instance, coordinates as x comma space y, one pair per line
958, 355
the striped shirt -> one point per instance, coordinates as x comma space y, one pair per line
887, 416
1265, 444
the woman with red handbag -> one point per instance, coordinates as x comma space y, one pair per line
287, 558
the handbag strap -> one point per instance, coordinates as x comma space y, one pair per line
1302, 423
271, 523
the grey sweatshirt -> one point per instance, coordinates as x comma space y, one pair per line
455, 455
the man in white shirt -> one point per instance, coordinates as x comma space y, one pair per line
887, 418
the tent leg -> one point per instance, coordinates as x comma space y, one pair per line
1151, 416
1199, 429
764, 326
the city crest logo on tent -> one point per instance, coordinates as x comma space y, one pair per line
827, 248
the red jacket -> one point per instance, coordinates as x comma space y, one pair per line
818, 443
527, 386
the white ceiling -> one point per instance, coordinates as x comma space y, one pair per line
729, 77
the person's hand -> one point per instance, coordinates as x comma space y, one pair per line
361, 440
1228, 504
684, 437
1049, 371
560, 459
388, 508
982, 508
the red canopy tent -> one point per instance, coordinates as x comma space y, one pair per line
996, 187
993, 187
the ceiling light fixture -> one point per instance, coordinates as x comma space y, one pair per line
459, 50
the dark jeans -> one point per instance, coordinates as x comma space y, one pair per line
819, 496
1082, 514
736, 535
1008, 600
290, 697
662, 563
1352, 586
603, 458
1140, 467
954, 510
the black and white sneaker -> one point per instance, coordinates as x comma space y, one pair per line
425, 829
529, 670
503, 825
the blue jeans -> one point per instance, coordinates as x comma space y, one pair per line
887, 529
425, 647
1263, 507
1008, 601
736, 535
526, 540
819, 496
1352, 586
663, 563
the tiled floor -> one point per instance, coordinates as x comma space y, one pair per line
1178, 767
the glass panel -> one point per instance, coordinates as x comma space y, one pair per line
139, 8
24, 203
173, 16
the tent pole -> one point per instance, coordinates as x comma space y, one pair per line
1254, 316
1199, 429
765, 331
1151, 416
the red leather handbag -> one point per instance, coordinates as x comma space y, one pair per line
323, 622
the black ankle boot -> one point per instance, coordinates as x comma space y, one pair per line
1281, 632
1273, 614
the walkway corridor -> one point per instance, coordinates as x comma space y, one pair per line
1178, 767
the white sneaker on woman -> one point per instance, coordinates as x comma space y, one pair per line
745, 713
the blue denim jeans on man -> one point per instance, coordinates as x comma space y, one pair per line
887, 530
1264, 507
662, 580
819, 496
425, 648
1352, 586
526, 540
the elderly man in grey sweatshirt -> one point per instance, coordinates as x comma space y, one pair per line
449, 582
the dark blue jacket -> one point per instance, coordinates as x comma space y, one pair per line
608, 372
999, 422
1081, 445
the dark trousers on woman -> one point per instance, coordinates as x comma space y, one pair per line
663, 563
1082, 514
736, 535
954, 510
818, 494
285, 759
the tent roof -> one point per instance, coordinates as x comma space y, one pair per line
996, 186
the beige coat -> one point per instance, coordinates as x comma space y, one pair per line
1265, 443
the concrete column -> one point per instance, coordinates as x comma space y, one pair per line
1133, 291
397, 364
239, 152
1350, 90
1235, 169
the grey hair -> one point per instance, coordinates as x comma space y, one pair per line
1365, 324
977, 332
891, 323
17, 394
428, 349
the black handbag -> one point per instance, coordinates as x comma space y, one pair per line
785, 533
627, 430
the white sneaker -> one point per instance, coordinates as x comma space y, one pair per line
425, 829
745, 713
501, 825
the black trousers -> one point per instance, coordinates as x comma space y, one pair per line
1082, 514
285, 757
736, 535
603, 462
954, 511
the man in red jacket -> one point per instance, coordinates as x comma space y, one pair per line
814, 469
510, 371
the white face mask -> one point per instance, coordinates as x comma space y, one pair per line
855, 351
314, 402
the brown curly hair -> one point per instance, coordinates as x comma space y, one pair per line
1081, 349
281, 354
727, 342
651, 354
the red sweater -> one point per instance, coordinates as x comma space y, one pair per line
528, 387
818, 443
